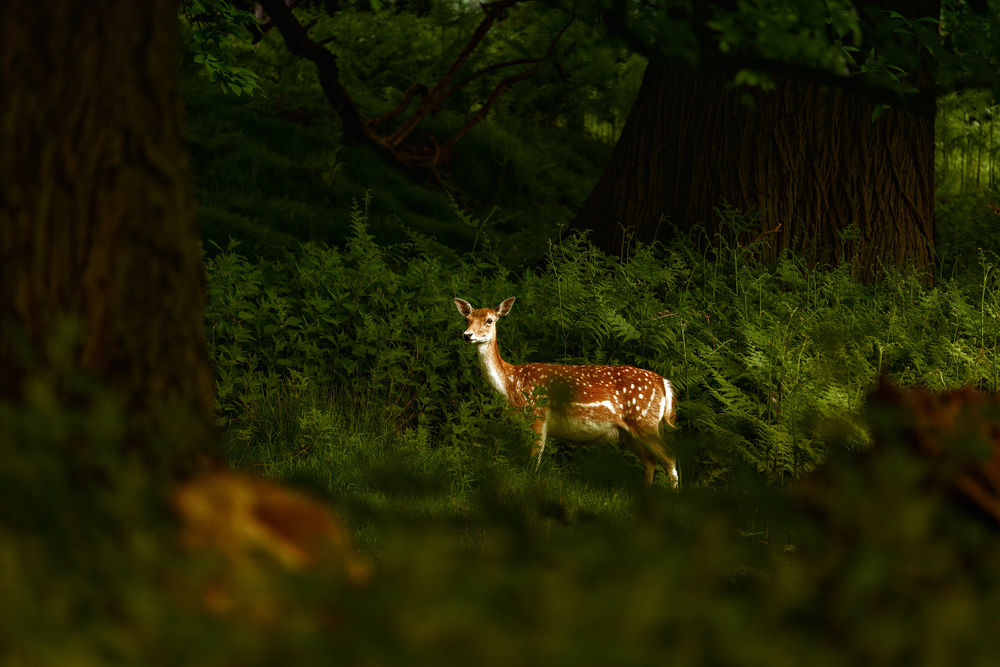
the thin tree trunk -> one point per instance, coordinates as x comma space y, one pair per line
945, 172
989, 156
965, 162
979, 155
97, 228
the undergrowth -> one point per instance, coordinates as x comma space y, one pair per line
342, 372
770, 363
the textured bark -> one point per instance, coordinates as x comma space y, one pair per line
811, 161
806, 156
97, 221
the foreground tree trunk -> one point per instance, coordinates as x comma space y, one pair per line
810, 161
97, 229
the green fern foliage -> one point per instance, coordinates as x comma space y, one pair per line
767, 361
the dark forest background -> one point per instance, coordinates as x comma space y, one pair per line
238, 423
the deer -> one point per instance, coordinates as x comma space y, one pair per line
582, 403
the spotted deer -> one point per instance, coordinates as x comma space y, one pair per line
589, 403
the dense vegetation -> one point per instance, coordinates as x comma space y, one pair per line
808, 529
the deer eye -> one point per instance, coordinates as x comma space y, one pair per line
489, 320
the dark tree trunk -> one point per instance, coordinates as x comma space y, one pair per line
811, 162
97, 225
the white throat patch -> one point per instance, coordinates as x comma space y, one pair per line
491, 368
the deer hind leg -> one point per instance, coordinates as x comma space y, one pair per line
645, 458
657, 452
541, 428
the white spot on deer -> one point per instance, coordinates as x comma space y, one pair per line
607, 404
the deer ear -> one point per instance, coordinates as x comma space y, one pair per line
505, 307
464, 307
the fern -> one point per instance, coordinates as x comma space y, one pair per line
768, 363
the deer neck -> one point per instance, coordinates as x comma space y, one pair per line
496, 369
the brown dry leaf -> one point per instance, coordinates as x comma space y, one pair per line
934, 423
256, 525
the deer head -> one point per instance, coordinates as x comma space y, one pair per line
482, 321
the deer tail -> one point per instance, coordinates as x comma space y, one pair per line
668, 404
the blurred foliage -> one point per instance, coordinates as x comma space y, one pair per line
966, 144
967, 179
869, 561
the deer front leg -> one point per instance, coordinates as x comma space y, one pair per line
541, 428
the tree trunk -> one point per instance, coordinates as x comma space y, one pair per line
811, 162
97, 228
965, 157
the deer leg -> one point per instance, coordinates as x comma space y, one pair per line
541, 428
645, 458
656, 452
648, 470
660, 450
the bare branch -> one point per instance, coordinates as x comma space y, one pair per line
417, 159
510, 63
266, 23
488, 70
477, 117
500, 88
300, 44
415, 89
495, 11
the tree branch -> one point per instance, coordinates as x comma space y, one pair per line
495, 11
265, 24
358, 131
300, 44
415, 89
487, 70
500, 88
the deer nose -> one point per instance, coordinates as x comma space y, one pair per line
467, 336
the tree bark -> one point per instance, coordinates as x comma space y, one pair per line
812, 162
808, 158
97, 228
